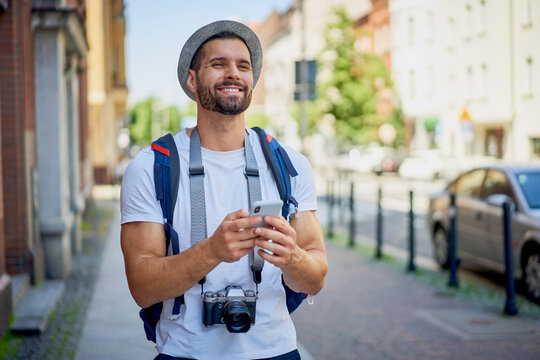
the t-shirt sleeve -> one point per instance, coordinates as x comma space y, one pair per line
303, 185
138, 200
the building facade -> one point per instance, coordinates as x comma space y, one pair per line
107, 90
467, 75
298, 36
46, 171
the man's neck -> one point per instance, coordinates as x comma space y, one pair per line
221, 132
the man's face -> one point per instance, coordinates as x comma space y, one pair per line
225, 77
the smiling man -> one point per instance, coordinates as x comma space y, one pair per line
220, 278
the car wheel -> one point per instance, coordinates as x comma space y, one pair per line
440, 247
531, 274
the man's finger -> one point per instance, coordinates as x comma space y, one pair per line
238, 214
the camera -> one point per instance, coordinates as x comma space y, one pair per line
232, 307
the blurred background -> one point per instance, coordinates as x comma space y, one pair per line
415, 90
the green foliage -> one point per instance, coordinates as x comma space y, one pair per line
257, 119
150, 119
351, 93
140, 127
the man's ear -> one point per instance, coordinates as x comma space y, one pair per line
191, 81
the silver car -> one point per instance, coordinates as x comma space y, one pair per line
479, 220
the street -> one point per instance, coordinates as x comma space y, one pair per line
395, 205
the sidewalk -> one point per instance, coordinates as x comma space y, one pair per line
112, 329
373, 310
367, 310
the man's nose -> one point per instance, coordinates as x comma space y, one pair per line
232, 72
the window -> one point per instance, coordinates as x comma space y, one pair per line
412, 85
528, 81
494, 143
469, 86
469, 26
535, 148
497, 183
528, 182
431, 26
470, 184
526, 17
482, 18
451, 34
483, 85
411, 31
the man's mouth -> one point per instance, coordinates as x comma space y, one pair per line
230, 90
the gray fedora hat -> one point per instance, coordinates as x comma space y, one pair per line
207, 31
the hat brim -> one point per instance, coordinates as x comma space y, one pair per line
207, 31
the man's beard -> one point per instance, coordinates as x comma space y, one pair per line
230, 105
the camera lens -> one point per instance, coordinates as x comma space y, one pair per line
257, 209
236, 316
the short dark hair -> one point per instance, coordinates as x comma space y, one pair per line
197, 57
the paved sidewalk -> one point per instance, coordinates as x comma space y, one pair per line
112, 328
367, 310
372, 310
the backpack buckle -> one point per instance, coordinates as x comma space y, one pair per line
251, 171
196, 170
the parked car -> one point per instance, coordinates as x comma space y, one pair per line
422, 165
479, 224
376, 159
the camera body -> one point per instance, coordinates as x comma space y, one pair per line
233, 307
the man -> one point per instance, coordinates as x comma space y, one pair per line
218, 68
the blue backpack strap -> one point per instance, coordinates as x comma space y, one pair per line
166, 182
282, 169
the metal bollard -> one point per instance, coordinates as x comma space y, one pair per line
378, 252
510, 307
352, 219
452, 243
411, 266
330, 209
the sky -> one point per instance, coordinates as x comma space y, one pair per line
157, 30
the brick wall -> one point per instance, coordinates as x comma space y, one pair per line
17, 132
2, 238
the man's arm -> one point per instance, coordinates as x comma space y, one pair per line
298, 249
154, 277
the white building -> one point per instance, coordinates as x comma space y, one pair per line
525, 139
416, 65
474, 65
287, 47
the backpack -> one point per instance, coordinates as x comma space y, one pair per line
166, 181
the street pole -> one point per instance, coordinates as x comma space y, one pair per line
411, 232
352, 219
378, 251
303, 78
452, 242
510, 307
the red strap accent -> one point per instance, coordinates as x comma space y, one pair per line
269, 137
161, 149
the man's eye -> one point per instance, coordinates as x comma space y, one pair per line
217, 65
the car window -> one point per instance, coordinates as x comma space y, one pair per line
470, 183
529, 182
497, 183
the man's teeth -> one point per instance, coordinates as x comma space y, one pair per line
230, 90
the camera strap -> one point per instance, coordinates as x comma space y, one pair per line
198, 205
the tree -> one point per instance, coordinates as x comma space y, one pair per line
352, 87
150, 119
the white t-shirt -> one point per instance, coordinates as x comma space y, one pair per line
226, 191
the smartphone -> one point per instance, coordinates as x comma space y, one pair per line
265, 207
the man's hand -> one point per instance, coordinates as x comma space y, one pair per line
283, 245
232, 240
298, 249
